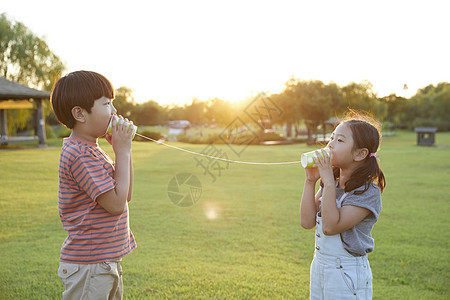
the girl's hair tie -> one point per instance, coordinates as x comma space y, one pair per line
375, 155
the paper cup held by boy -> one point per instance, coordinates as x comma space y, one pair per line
307, 158
120, 120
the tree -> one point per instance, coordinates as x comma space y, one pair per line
196, 112
27, 59
359, 96
395, 109
219, 112
124, 102
312, 101
176, 113
430, 107
440, 103
149, 113
290, 116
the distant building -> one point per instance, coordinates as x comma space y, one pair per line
425, 135
178, 126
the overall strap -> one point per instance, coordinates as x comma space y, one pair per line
339, 202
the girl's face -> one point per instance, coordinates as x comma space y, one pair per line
341, 145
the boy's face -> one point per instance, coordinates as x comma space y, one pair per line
100, 116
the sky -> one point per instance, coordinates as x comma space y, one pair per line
173, 51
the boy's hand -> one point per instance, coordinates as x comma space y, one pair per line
120, 137
108, 137
325, 166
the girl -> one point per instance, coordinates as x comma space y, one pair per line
344, 210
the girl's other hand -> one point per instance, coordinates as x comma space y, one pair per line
312, 175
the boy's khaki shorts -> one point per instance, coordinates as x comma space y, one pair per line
91, 281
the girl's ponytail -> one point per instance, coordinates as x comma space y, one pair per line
369, 172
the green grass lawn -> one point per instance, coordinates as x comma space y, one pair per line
243, 238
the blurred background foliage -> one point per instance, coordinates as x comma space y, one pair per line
305, 105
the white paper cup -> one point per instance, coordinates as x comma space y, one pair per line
307, 158
121, 121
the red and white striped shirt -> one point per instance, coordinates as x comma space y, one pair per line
94, 235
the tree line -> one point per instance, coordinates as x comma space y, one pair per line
27, 59
303, 103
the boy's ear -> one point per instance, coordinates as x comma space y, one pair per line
78, 114
360, 154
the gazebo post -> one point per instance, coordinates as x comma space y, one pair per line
4, 124
41, 123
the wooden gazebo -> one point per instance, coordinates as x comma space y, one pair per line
14, 95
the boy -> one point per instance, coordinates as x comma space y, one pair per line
93, 191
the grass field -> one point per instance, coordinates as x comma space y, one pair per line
242, 239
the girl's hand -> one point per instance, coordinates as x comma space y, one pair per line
325, 166
312, 175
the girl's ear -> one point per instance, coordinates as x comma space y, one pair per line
78, 114
360, 154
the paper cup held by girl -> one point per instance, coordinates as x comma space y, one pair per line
307, 158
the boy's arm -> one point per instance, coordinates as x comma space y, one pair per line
114, 201
130, 189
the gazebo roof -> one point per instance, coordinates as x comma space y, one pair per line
10, 90
425, 129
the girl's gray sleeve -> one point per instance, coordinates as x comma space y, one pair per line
370, 199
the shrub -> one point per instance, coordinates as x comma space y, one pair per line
246, 138
151, 134
61, 131
49, 132
442, 125
299, 140
195, 139
272, 136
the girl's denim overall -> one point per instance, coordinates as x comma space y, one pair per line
335, 273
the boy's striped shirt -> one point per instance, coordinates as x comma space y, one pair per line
94, 235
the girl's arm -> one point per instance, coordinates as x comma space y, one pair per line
347, 217
309, 205
335, 220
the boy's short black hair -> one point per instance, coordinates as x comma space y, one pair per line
80, 88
